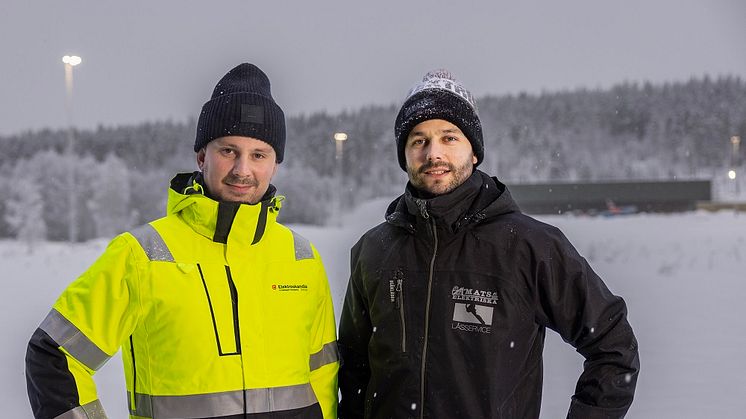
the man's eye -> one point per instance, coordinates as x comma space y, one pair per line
259, 156
226, 151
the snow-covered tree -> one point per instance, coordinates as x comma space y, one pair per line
25, 210
109, 204
310, 198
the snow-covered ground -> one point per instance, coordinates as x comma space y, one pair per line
683, 277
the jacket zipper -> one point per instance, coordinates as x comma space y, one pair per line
133, 405
427, 310
400, 306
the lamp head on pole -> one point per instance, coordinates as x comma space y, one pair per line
72, 60
340, 136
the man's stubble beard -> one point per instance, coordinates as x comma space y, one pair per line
459, 176
235, 180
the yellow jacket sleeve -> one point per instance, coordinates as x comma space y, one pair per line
85, 327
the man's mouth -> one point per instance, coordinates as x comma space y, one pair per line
241, 184
436, 171
238, 185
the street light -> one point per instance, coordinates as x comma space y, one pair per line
71, 61
339, 140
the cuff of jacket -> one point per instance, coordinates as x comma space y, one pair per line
580, 410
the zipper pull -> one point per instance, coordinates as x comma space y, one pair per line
398, 293
422, 206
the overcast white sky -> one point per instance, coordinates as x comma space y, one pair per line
152, 60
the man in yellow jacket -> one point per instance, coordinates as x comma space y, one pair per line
220, 311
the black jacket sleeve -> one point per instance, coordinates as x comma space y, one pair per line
354, 334
576, 303
51, 387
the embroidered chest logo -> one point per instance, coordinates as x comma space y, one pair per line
395, 286
472, 309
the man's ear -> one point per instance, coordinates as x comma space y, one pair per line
474, 159
201, 158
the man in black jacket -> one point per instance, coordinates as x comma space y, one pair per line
449, 298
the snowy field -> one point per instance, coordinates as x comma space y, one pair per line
683, 277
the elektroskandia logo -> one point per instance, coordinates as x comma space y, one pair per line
289, 287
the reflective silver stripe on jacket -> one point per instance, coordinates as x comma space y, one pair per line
261, 400
152, 243
73, 340
92, 410
303, 248
328, 354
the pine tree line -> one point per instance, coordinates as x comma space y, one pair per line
631, 131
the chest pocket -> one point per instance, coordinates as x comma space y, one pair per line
222, 298
396, 303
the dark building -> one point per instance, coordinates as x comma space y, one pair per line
611, 197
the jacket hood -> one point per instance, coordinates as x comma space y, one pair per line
216, 220
479, 198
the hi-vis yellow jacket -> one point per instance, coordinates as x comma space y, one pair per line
220, 311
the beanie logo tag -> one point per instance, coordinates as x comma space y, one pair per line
253, 114
439, 83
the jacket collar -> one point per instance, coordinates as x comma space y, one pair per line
480, 197
221, 222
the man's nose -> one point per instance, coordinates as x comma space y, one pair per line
242, 166
435, 151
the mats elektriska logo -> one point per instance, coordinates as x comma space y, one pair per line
472, 309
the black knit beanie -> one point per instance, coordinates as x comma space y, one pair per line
439, 96
242, 104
